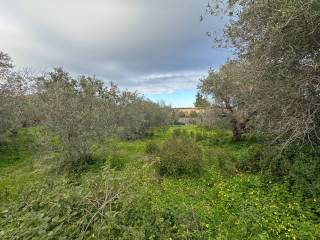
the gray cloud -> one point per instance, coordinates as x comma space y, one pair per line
165, 83
150, 45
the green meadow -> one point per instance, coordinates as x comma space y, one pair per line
122, 195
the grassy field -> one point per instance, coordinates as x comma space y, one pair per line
123, 197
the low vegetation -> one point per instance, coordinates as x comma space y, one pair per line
125, 196
180, 156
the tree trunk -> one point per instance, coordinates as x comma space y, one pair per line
236, 130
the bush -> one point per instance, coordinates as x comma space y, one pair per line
192, 134
199, 137
118, 161
277, 164
298, 166
152, 148
193, 114
249, 161
224, 160
177, 132
176, 122
217, 137
227, 166
78, 208
180, 156
84, 161
304, 176
140, 116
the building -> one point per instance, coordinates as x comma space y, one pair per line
189, 111
188, 115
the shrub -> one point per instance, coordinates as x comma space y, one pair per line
180, 156
192, 134
193, 114
218, 137
298, 166
89, 203
225, 161
176, 132
82, 163
138, 117
199, 137
249, 161
176, 122
277, 164
304, 176
152, 148
118, 161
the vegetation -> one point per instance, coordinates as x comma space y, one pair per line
135, 202
180, 156
152, 148
231, 90
272, 84
201, 101
71, 115
140, 116
249, 170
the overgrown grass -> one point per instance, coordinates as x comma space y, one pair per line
123, 197
16, 167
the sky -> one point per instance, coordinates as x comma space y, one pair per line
157, 47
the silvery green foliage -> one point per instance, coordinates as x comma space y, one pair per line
76, 113
139, 116
14, 99
5, 101
72, 114
231, 92
280, 39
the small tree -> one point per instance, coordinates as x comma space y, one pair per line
15, 98
6, 96
201, 101
76, 112
232, 94
138, 117
193, 114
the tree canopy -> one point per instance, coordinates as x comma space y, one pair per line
277, 45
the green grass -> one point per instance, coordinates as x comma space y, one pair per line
223, 203
16, 173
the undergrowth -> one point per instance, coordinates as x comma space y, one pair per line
124, 197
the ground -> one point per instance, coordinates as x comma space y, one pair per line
123, 197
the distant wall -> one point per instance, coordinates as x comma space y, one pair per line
188, 121
188, 111
188, 115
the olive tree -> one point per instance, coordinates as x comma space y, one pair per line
139, 116
14, 98
71, 114
5, 95
231, 93
74, 113
281, 39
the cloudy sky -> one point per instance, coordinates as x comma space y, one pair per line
158, 47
